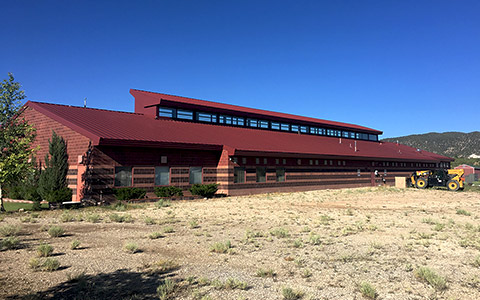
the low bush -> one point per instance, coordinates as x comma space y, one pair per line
155, 235
166, 289
368, 291
220, 247
56, 231
162, 203
121, 218
9, 243
74, 244
204, 190
168, 191
9, 230
436, 281
131, 247
290, 294
44, 250
129, 193
49, 264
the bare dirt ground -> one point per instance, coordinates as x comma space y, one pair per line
330, 244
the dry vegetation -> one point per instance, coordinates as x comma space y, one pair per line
370, 243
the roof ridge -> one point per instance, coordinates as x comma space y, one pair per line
88, 108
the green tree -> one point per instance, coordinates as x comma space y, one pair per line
52, 185
16, 135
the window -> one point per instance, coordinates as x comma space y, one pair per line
196, 175
257, 161
345, 134
275, 126
261, 174
311, 162
284, 161
280, 174
303, 129
264, 161
184, 114
206, 117
162, 175
330, 132
373, 137
238, 175
163, 159
244, 160
295, 128
316, 162
166, 112
252, 123
284, 127
277, 161
263, 124
123, 176
299, 161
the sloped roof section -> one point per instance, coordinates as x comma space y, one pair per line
144, 100
116, 128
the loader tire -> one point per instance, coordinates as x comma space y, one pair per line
421, 183
453, 185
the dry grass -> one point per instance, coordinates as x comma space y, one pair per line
339, 244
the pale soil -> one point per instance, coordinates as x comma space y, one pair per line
375, 235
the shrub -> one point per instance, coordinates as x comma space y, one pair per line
220, 247
67, 217
93, 218
129, 193
204, 190
463, 212
266, 273
193, 224
56, 231
57, 196
9, 230
162, 203
165, 266
9, 243
155, 235
121, 218
166, 289
149, 221
168, 191
131, 247
232, 283
44, 250
368, 291
280, 233
290, 294
74, 244
436, 281
49, 264
168, 229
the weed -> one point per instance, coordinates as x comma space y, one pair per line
149, 221
325, 219
131, 247
9, 243
298, 243
290, 294
476, 261
439, 227
74, 244
67, 217
121, 218
463, 212
232, 284
166, 289
280, 233
93, 218
367, 290
315, 239
266, 273
349, 212
164, 266
193, 224
306, 273
155, 235
56, 231
253, 234
44, 250
49, 264
163, 203
9, 230
168, 229
220, 247
436, 281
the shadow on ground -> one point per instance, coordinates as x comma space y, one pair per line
121, 284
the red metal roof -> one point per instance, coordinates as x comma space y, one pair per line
144, 100
105, 127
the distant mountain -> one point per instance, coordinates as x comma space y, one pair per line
452, 144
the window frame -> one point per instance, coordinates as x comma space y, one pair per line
169, 175
190, 181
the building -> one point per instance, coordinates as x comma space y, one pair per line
172, 140
471, 174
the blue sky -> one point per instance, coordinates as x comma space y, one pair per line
403, 67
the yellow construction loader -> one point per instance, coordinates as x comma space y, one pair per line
452, 179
